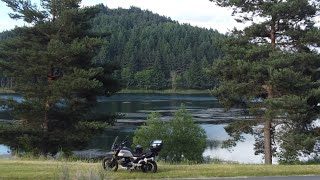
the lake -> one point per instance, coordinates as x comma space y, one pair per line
204, 108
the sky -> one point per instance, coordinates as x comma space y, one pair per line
201, 13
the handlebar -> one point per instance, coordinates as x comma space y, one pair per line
125, 140
115, 145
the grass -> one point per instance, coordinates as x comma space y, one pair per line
37, 169
6, 90
167, 91
49, 169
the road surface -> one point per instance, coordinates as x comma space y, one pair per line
263, 178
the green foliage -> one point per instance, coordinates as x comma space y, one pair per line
154, 129
127, 77
149, 79
183, 139
51, 63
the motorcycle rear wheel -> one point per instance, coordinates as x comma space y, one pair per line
109, 164
149, 167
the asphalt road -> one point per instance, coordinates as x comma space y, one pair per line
266, 178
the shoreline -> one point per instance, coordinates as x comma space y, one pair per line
4, 91
166, 91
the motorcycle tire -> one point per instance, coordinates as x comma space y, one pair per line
109, 164
149, 167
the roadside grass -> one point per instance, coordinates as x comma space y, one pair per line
51, 169
46, 169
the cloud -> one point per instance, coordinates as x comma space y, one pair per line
6, 23
91, 2
202, 13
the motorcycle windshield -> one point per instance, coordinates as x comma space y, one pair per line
114, 143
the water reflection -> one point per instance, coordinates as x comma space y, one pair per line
242, 153
4, 150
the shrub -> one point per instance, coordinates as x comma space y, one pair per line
183, 139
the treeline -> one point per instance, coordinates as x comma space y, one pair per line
3, 77
155, 52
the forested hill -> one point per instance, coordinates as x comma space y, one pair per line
155, 52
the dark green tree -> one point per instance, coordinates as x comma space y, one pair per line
51, 63
149, 79
207, 80
273, 61
127, 77
159, 80
194, 75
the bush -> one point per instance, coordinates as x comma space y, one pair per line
183, 139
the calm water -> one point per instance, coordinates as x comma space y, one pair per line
204, 108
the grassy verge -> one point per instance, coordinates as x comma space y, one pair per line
22, 169
6, 90
168, 91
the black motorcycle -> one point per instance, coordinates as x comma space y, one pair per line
122, 156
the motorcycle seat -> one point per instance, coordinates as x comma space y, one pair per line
136, 154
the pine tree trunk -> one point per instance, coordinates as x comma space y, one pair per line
268, 125
267, 142
54, 10
47, 105
173, 75
267, 131
46, 119
273, 35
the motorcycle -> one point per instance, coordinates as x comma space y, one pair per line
122, 156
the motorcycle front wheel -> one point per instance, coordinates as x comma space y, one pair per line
149, 167
110, 164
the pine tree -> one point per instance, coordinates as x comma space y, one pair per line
273, 60
194, 75
51, 63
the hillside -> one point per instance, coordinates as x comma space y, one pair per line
155, 52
